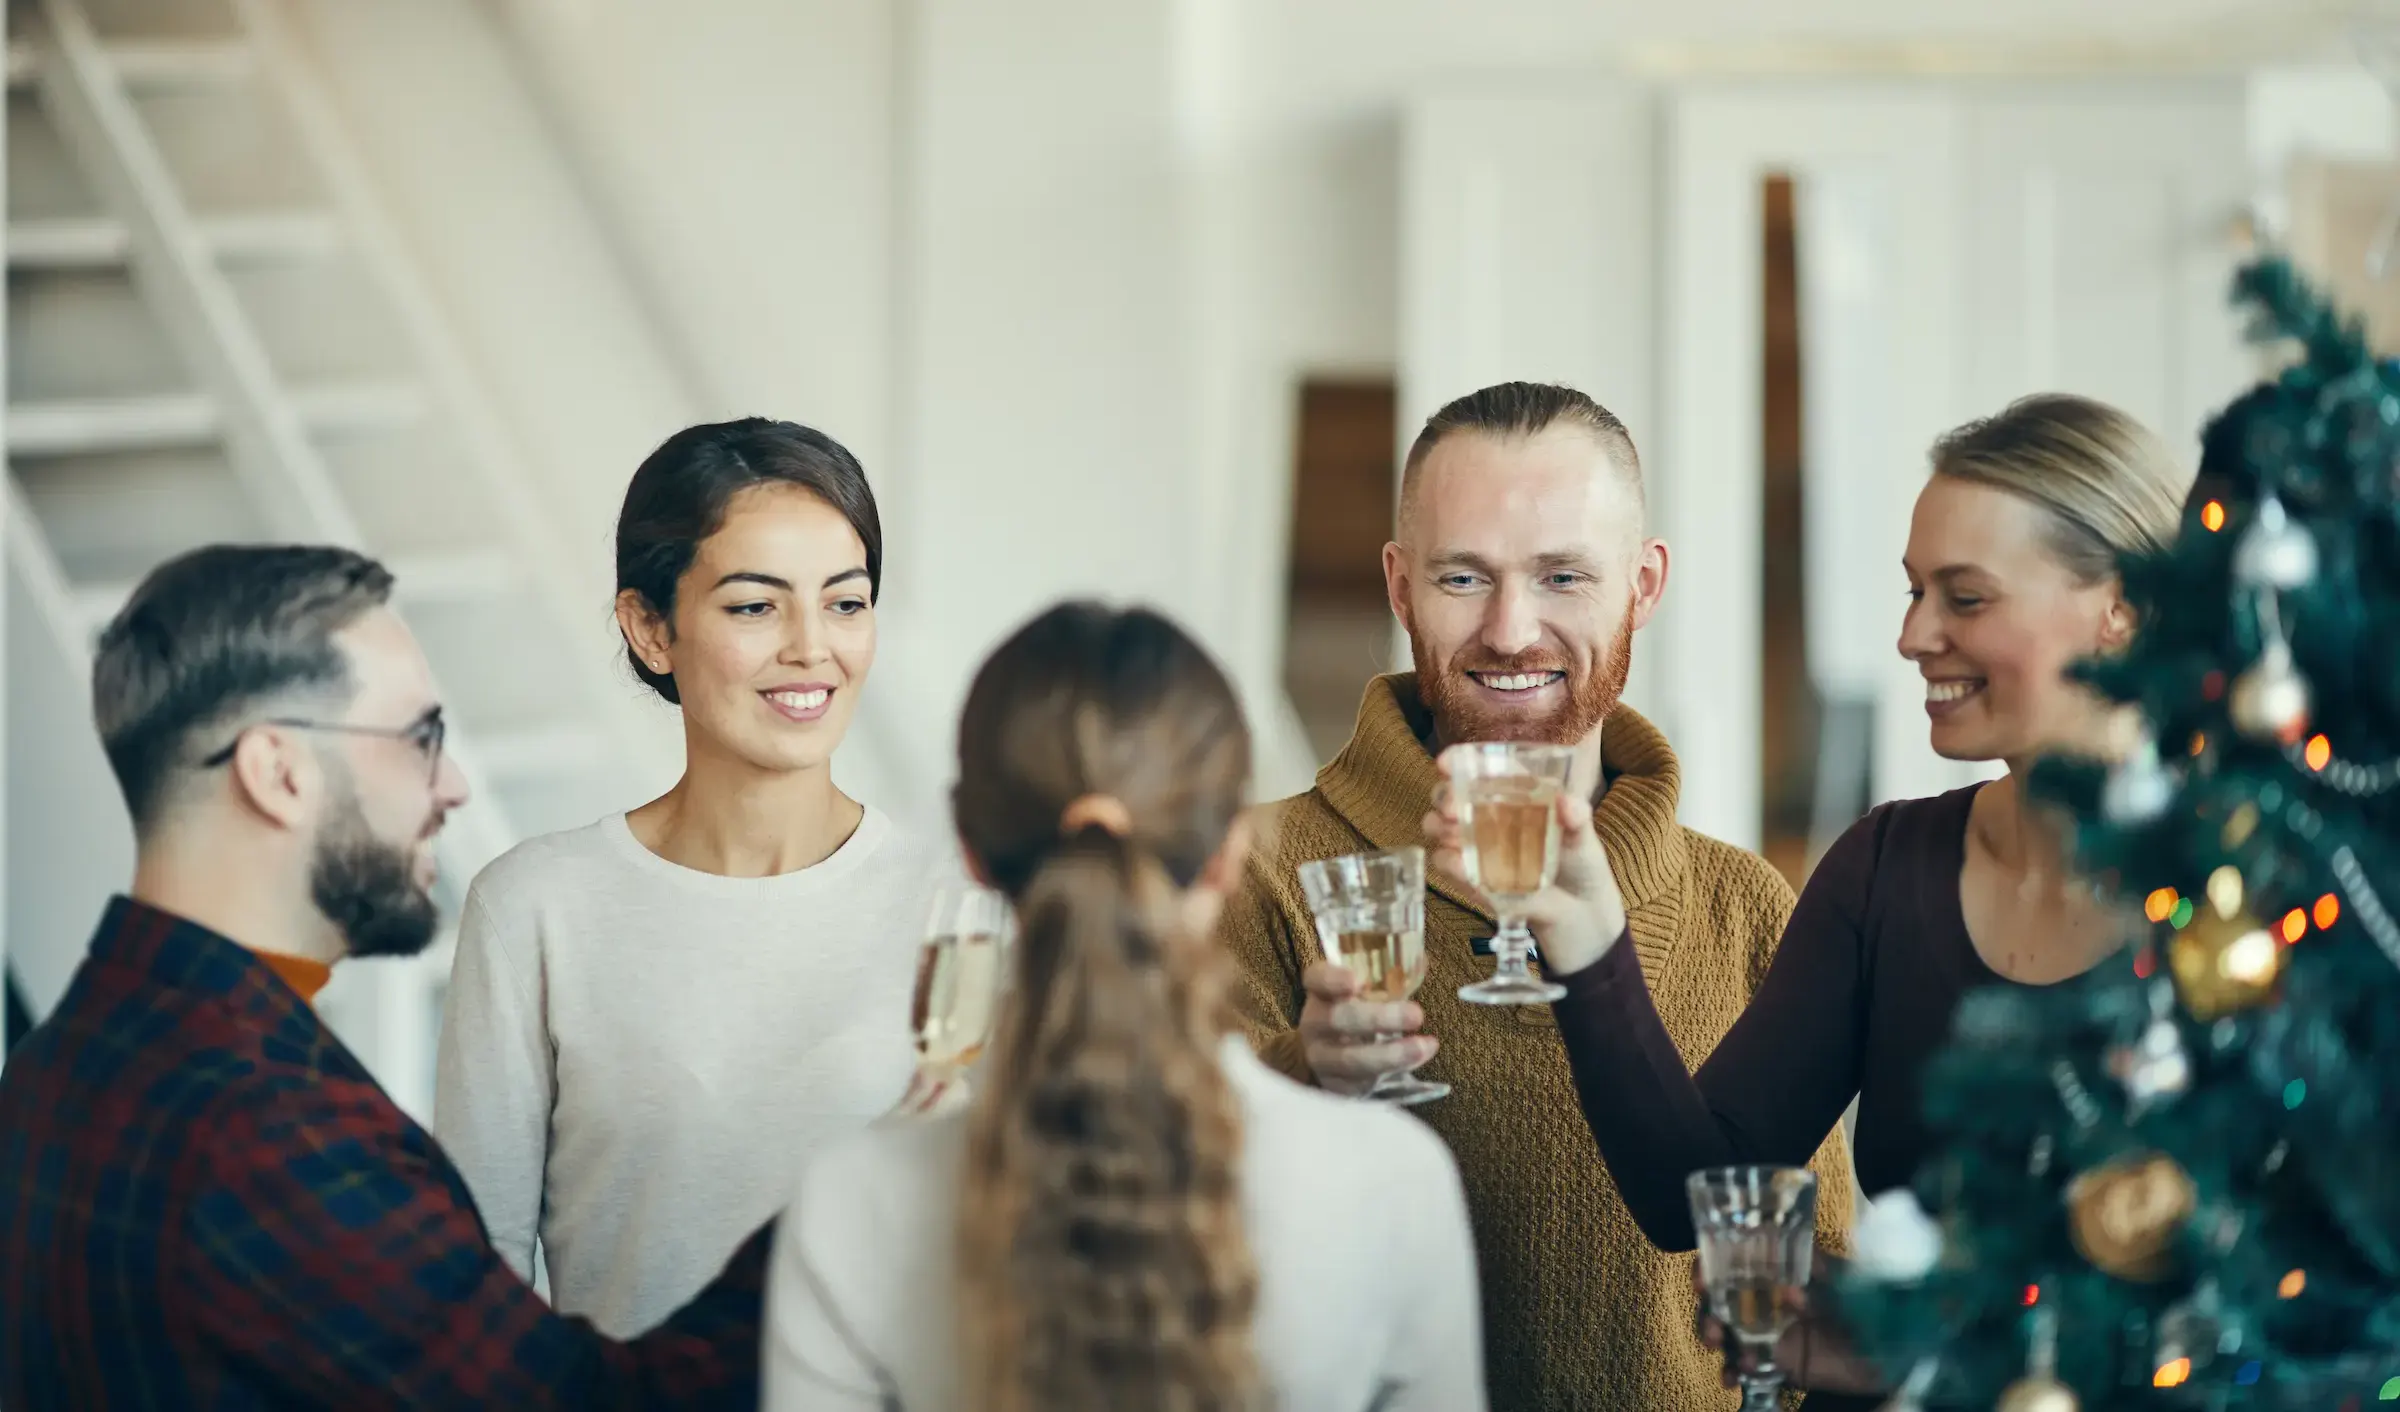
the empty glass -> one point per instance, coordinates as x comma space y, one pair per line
1370, 914
961, 971
1757, 1232
1507, 797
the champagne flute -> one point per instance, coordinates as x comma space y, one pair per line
1507, 796
1757, 1232
961, 972
1370, 915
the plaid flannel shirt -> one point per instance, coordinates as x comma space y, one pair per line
206, 1202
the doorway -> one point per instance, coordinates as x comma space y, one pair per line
1338, 628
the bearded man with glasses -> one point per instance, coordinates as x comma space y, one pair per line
205, 1200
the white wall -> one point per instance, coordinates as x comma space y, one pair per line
741, 155
69, 841
515, 257
985, 245
1054, 267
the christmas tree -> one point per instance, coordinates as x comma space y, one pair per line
2175, 1181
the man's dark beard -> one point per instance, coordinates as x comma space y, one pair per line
1459, 717
368, 889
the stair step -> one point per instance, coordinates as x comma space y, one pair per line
101, 242
179, 63
155, 63
459, 576
84, 425
68, 425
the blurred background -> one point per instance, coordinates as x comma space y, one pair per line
1131, 298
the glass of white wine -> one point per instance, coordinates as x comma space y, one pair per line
1507, 797
1757, 1232
961, 972
1370, 914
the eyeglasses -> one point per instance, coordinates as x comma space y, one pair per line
427, 733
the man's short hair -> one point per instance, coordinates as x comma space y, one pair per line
210, 635
1522, 409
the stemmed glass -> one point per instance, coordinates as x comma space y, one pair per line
1507, 795
1370, 915
961, 972
1757, 1232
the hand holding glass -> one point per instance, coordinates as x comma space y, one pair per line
1757, 1232
961, 973
1507, 799
1370, 916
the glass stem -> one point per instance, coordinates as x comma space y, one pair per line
1762, 1382
1511, 946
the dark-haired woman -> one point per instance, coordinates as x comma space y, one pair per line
1133, 1211
654, 1019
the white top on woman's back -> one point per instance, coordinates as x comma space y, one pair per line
636, 1057
1366, 1269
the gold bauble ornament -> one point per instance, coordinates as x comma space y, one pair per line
2224, 962
2124, 1215
2270, 701
2037, 1394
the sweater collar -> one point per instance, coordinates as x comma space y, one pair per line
1382, 783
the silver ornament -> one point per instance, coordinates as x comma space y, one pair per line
2270, 701
2275, 552
2139, 787
2154, 1068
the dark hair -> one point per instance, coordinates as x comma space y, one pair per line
210, 635
680, 493
1102, 1251
1516, 409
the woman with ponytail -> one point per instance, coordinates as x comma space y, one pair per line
1132, 1212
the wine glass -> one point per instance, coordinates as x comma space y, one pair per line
961, 972
1757, 1232
1370, 914
1507, 797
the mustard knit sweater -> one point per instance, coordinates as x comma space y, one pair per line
1580, 1312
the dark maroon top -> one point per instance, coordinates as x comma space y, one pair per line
1860, 995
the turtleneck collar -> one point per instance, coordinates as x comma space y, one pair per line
1383, 779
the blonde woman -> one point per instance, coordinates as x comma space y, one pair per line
2012, 576
1133, 1212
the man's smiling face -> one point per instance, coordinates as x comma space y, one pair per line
1521, 572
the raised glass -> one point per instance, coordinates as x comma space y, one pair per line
1370, 915
961, 972
1507, 799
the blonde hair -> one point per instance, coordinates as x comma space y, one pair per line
1103, 1259
2110, 485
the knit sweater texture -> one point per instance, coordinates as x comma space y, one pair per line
1579, 1310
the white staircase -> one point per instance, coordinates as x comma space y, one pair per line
215, 334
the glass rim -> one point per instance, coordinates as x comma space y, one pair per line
1523, 749
1705, 1178
1411, 853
